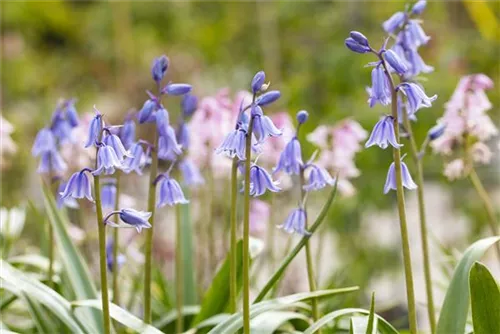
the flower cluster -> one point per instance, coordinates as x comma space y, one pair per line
466, 126
403, 59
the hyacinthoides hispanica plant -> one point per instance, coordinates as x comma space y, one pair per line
248, 134
46, 146
164, 147
387, 131
110, 156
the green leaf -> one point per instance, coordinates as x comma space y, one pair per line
269, 322
371, 327
42, 321
456, 302
172, 315
214, 321
383, 326
120, 315
235, 322
21, 283
189, 274
485, 300
216, 298
74, 265
35, 260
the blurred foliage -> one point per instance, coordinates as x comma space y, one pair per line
100, 53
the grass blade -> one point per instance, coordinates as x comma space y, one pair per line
485, 300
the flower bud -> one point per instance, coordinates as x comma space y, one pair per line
436, 131
302, 116
396, 63
419, 7
176, 89
359, 38
268, 98
159, 68
189, 103
355, 46
258, 81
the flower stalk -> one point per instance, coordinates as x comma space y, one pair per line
116, 291
233, 263
179, 269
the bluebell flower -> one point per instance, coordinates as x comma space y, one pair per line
302, 117
402, 107
115, 142
60, 126
176, 89
234, 144
168, 148
381, 90
260, 181
415, 35
190, 173
183, 135
108, 194
44, 142
146, 112
383, 134
169, 193
291, 158
419, 7
268, 98
162, 121
69, 202
263, 126
120, 258
258, 81
94, 129
436, 131
416, 97
417, 64
395, 62
51, 162
354, 46
107, 161
134, 163
390, 182
296, 222
394, 22
159, 68
318, 178
78, 186
134, 218
71, 114
189, 103
127, 133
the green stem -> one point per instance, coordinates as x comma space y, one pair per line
179, 269
490, 211
116, 297
423, 222
233, 264
284, 264
212, 256
410, 291
50, 272
149, 232
246, 231
102, 255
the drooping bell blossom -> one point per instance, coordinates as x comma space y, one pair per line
395, 62
162, 121
182, 135
291, 158
403, 108
296, 222
263, 126
261, 181
107, 161
159, 68
190, 172
127, 133
134, 163
146, 111
108, 194
44, 142
176, 89
189, 103
390, 182
168, 148
60, 127
394, 22
417, 64
78, 186
380, 91
69, 202
267, 98
260, 212
71, 113
94, 129
415, 35
51, 162
258, 81
383, 134
114, 141
234, 144
416, 97
454, 170
134, 218
169, 192
120, 258
317, 178
418, 7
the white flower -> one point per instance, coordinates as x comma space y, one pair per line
12, 222
454, 169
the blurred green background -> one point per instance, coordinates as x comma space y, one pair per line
100, 53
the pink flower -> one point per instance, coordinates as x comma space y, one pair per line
481, 153
454, 169
259, 216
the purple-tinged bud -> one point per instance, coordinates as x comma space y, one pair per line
302, 116
394, 22
162, 121
359, 38
189, 103
419, 7
183, 135
146, 111
127, 133
258, 81
94, 129
268, 98
395, 62
355, 46
176, 89
71, 114
159, 68
436, 131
